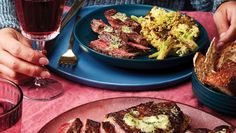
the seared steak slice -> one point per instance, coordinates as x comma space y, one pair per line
103, 47
137, 38
73, 126
199, 130
218, 129
224, 129
99, 26
123, 32
108, 127
92, 126
151, 117
137, 47
117, 20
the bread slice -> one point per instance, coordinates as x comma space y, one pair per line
228, 52
199, 67
217, 69
151, 117
224, 79
211, 57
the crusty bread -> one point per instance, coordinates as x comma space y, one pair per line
224, 79
228, 52
218, 68
211, 57
199, 67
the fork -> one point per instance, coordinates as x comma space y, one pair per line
69, 57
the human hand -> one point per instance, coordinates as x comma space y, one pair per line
225, 20
18, 60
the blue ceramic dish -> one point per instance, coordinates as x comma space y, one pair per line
84, 35
213, 99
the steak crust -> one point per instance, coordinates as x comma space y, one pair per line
177, 118
92, 126
108, 127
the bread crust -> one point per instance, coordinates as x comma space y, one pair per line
218, 68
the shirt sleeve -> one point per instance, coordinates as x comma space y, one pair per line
216, 4
8, 15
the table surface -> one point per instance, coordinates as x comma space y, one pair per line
37, 113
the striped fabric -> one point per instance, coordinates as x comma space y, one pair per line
8, 16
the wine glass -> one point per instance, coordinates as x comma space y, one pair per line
40, 21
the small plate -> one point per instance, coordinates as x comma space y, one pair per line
97, 110
84, 35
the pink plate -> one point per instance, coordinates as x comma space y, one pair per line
96, 111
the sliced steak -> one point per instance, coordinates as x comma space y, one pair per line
103, 47
92, 126
108, 127
73, 126
99, 26
140, 119
117, 20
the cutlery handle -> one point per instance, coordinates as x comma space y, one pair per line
72, 12
72, 38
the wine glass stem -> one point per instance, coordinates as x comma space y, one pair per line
39, 47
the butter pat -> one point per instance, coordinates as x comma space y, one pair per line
147, 124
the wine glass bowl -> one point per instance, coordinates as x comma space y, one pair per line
40, 21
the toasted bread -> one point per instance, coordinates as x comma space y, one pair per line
211, 57
218, 68
224, 80
228, 52
199, 67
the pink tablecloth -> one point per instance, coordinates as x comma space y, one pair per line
37, 113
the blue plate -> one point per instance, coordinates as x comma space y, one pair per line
93, 72
213, 99
84, 35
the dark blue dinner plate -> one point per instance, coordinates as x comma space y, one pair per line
93, 72
84, 35
214, 99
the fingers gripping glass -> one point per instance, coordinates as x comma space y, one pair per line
40, 21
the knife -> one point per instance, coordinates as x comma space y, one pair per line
72, 12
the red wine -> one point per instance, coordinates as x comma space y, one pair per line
39, 17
